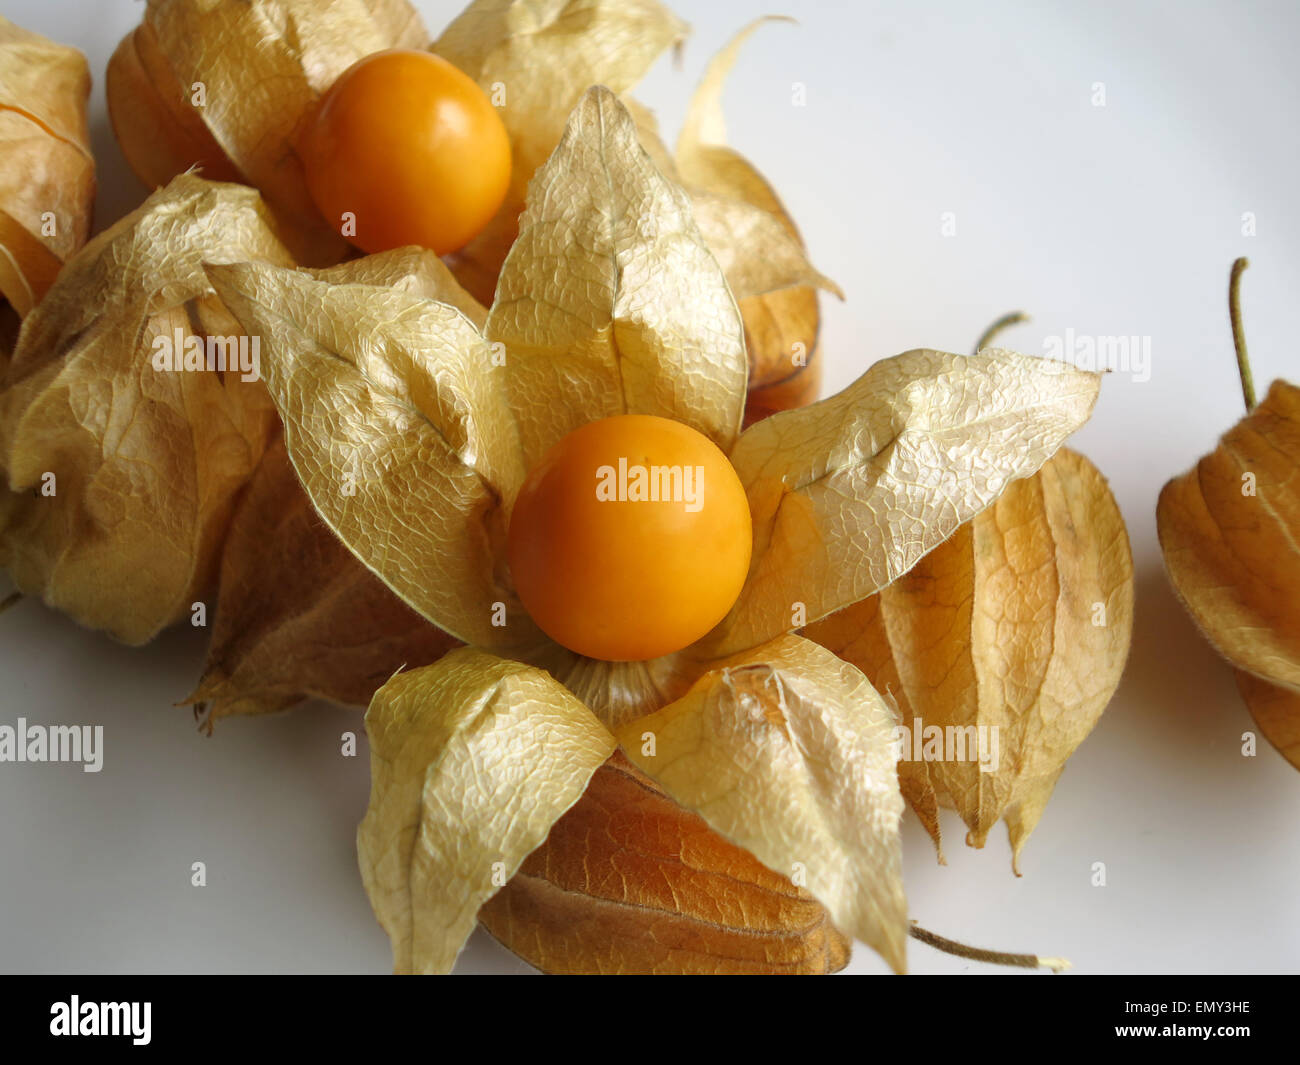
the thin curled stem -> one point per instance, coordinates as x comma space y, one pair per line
1005, 322
992, 957
1239, 333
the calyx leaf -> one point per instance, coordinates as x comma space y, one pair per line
121, 477
628, 882
1001, 648
395, 418
473, 759
751, 233
1230, 532
297, 616
610, 302
536, 60
787, 751
847, 495
47, 174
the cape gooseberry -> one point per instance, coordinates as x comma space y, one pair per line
406, 149
631, 538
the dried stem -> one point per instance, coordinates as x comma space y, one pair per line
1005, 322
992, 957
10, 600
1239, 334
203, 717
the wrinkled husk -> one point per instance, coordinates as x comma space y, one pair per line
782, 316
787, 751
405, 399
472, 760
1230, 532
1021, 622
47, 174
542, 57
262, 67
629, 882
145, 464
297, 616
534, 60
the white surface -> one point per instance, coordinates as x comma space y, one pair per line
1120, 219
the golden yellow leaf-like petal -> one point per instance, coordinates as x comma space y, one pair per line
1276, 711
787, 751
1001, 647
703, 156
628, 882
848, 494
395, 419
609, 302
755, 249
753, 236
47, 174
535, 60
1230, 531
297, 615
124, 476
229, 85
473, 759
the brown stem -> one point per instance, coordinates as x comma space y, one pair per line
992, 957
1239, 334
1005, 322
10, 600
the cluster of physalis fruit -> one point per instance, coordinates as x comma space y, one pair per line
631, 539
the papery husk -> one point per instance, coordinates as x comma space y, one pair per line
782, 315
1021, 622
782, 748
147, 463
263, 65
1230, 532
1276, 711
787, 751
542, 57
47, 173
848, 494
443, 421
610, 300
629, 882
619, 692
297, 616
396, 421
473, 760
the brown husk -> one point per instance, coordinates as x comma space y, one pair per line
1230, 532
629, 882
1021, 621
47, 174
121, 478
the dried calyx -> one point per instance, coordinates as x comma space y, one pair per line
1229, 529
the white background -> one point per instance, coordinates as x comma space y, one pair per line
1120, 219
